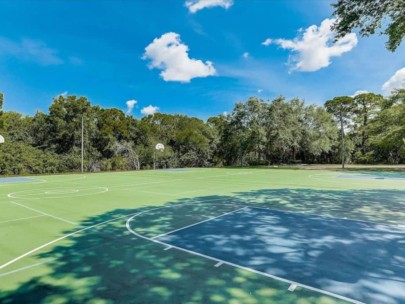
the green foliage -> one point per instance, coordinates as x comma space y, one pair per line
370, 15
387, 130
319, 134
256, 132
365, 107
18, 158
1, 109
342, 108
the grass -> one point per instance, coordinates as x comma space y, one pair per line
107, 264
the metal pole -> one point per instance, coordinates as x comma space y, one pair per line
82, 143
154, 159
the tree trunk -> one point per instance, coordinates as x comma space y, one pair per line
342, 138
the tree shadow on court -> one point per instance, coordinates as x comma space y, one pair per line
108, 264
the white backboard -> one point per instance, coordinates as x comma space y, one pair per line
160, 147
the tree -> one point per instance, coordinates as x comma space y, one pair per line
284, 121
387, 129
126, 150
341, 107
370, 15
319, 133
365, 107
1, 109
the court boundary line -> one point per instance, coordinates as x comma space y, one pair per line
96, 225
43, 213
22, 219
331, 294
198, 223
4, 274
34, 196
62, 238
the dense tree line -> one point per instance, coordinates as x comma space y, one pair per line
367, 128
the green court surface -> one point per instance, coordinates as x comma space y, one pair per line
90, 238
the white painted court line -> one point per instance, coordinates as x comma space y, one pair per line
168, 248
128, 225
198, 223
292, 287
62, 238
43, 194
22, 219
218, 264
24, 268
44, 213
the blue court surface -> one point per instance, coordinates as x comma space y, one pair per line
363, 261
10, 180
375, 175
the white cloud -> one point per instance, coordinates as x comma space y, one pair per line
149, 110
397, 81
267, 42
196, 5
30, 50
63, 94
246, 55
130, 105
359, 92
170, 55
259, 91
314, 48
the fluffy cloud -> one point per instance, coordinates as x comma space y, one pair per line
196, 5
267, 42
246, 55
397, 81
30, 50
149, 110
170, 55
130, 105
63, 94
314, 49
359, 92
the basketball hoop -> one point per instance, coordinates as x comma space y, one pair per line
160, 147
1, 139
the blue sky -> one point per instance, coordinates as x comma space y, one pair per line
183, 56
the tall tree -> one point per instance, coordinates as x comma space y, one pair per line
284, 129
1, 100
341, 107
370, 15
387, 130
1, 109
365, 107
318, 133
